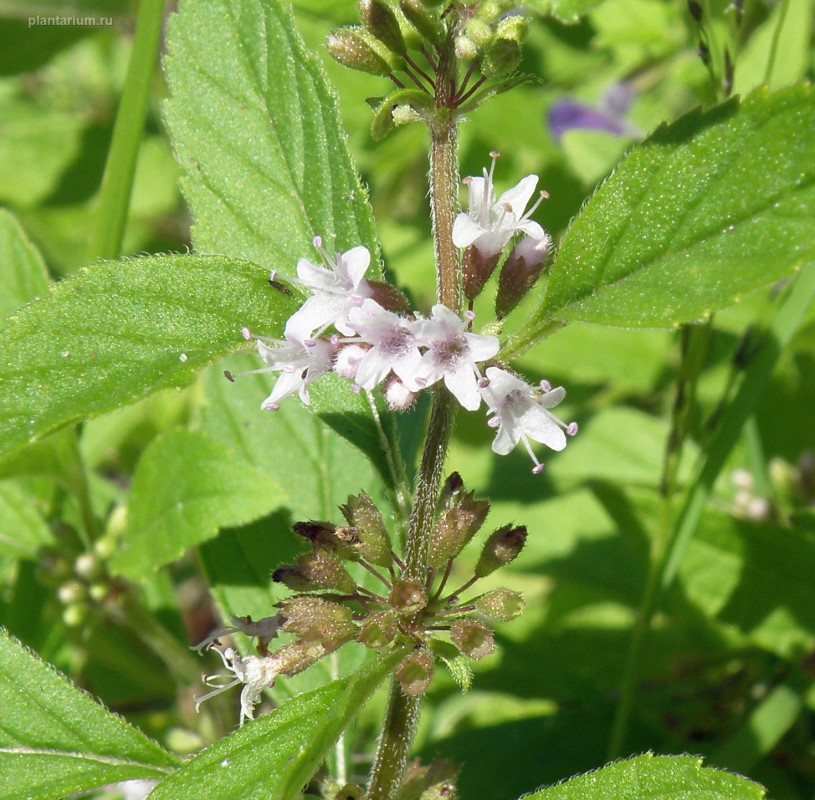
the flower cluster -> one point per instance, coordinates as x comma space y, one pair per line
364, 330
331, 607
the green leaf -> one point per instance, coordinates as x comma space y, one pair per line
55, 740
22, 271
22, 530
121, 330
273, 757
185, 487
682, 227
266, 163
650, 777
755, 577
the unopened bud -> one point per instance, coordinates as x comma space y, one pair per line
500, 605
389, 297
319, 569
452, 489
503, 546
88, 567
98, 591
476, 270
315, 619
380, 20
695, 9
479, 32
72, 592
297, 656
501, 58
75, 615
455, 528
378, 630
323, 534
512, 27
350, 46
407, 596
472, 638
415, 672
348, 359
520, 272
465, 48
373, 543
397, 395
427, 22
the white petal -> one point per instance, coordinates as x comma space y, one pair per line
314, 277
503, 382
505, 440
356, 262
288, 383
372, 369
408, 368
551, 399
465, 231
475, 196
462, 385
481, 346
449, 319
531, 228
518, 196
538, 424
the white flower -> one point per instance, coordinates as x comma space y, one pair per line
336, 289
521, 413
299, 363
255, 672
393, 346
490, 224
452, 354
265, 629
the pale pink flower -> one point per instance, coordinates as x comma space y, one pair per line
521, 412
336, 289
488, 223
394, 346
452, 354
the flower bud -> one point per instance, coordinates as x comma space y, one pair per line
319, 569
415, 672
389, 297
455, 528
520, 272
75, 615
348, 359
502, 547
351, 48
297, 656
479, 32
378, 630
407, 596
72, 592
476, 270
465, 48
500, 605
324, 534
379, 19
373, 543
317, 620
472, 638
397, 395
513, 28
427, 22
98, 591
452, 489
88, 566
500, 58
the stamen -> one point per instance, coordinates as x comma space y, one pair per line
538, 468
228, 375
571, 429
469, 315
543, 196
317, 241
246, 333
356, 388
494, 422
468, 180
545, 386
310, 342
483, 383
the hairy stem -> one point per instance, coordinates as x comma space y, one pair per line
403, 711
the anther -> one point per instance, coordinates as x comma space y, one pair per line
571, 429
228, 376
246, 333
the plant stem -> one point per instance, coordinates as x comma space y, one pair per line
403, 710
114, 197
669, 551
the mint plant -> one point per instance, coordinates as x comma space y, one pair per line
293, 492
